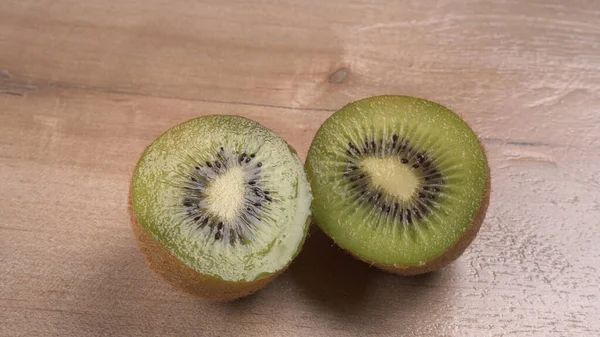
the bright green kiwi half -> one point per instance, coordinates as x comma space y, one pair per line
221, 204
400, 182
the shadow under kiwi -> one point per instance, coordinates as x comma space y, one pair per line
350, 292
327, 274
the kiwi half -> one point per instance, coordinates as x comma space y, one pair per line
400, 182
220, 205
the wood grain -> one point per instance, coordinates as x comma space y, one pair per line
86, 85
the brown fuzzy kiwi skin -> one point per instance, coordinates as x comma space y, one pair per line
179, 275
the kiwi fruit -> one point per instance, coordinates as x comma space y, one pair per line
220, 205
399, 182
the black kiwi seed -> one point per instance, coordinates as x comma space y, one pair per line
408, 217
415, 211
259, 164
415, 166
395, 138
404, 161
395, 210
218, 236
208, 164
218, 164
248, 160
253, 155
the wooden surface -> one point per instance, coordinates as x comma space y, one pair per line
85, 86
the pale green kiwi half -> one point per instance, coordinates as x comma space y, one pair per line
225, 196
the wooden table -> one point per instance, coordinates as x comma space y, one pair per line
86, 85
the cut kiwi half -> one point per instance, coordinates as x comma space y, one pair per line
220, 205
399, 182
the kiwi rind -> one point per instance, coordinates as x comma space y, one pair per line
449, 254
181, 276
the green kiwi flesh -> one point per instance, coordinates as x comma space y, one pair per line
400, 182
226, 198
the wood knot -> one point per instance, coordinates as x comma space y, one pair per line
339, 76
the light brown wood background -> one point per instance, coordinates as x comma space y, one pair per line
85, 86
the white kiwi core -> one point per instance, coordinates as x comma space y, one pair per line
393, 177
226, 194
